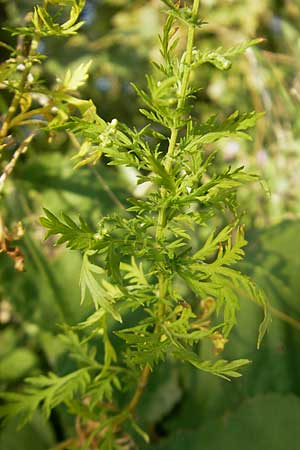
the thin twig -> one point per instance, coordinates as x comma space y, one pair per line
65, 444
11, 165
285, 317
280, 57
139, 389
107, 189
99, 177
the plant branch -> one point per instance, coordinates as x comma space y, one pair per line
162, 213
22, 118
11, 165
184, 85
7, 123
107, 189
174, 130
139, 390
99, 177
285, 317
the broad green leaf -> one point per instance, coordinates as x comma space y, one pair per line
38, 435
17, 364
270, 420
162, 394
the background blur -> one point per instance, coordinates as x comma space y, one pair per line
182, 408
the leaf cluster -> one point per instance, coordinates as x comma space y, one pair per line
34, 104
151, 262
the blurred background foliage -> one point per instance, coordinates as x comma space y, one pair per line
182, 408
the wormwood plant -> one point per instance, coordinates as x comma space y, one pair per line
34, 104
159, 289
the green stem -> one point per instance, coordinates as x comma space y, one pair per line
181, 102
21, 118
162, 282
174, 131
285, 317
189, 55
12, 110
184, 85
139, 390
162, 217
14, 104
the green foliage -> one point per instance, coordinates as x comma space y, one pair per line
103, 294
265, 79
44, 25
220, 58
272, 377
254, 417
143, 262
33, 103
76, 236
183, 13
16, 364
37, 435
76, 78
48, 390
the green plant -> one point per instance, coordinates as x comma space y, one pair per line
267, 79
34, 104
157, 291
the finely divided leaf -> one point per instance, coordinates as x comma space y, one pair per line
75, 236
76, 77
102, 292
48, 391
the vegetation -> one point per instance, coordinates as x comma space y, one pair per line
163, 277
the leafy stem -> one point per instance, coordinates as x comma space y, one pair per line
174, 130
162, 282
139, 390
7, 123
185, 83
147, 260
